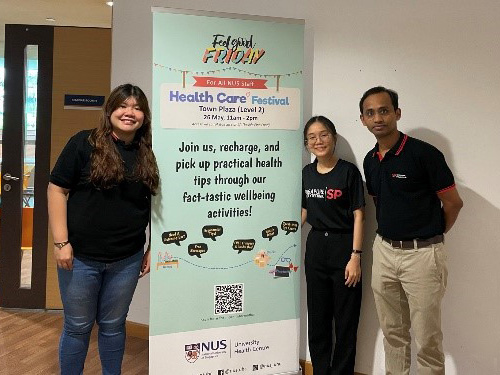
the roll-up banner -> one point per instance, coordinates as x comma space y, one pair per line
227, 113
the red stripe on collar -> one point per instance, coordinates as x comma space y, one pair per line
405, 137
378, 155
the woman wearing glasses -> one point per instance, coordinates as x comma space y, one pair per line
333, 203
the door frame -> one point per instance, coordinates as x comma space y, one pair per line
17, 37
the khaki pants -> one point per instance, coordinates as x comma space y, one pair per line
408, 286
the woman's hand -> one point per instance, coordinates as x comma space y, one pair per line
64, 257
146, 264
353, 271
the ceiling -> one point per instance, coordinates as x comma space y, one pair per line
89, 13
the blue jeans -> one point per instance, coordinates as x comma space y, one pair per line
96, 292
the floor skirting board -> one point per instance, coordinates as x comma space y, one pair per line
138, 330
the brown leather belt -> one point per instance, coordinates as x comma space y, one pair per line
414, 244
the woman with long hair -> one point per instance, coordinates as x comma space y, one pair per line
99, 200
333, 203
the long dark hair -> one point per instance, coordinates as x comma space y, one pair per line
107, 169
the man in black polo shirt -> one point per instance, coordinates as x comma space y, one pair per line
416, 203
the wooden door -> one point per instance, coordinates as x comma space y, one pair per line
25, 143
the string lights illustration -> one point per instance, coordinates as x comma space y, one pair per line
229, 68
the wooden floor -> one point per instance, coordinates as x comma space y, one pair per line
29, 341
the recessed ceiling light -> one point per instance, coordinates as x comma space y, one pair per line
110, 3
50, 19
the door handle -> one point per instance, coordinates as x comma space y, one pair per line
8, 177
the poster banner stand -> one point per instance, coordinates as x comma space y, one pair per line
225, 233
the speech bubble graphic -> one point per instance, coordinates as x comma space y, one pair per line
270, 232
196, 249
289, 226
243, 245
212, 231
174, 236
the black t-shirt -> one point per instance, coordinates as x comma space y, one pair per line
331, 198
406, 183
106, 225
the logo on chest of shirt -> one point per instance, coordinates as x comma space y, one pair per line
333, 193
398, 175
323, 193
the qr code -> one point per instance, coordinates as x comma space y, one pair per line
228, 299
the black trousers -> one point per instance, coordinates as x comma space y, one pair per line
330, 300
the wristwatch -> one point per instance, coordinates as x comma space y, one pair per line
60, 245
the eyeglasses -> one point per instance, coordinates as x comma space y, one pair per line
381, 112
311, 139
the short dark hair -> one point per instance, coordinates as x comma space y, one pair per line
322, 120
376, 90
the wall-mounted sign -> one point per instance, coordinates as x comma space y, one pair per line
87, 102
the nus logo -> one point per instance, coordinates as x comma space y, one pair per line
213, 345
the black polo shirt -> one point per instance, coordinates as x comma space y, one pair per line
106, 225
406, 183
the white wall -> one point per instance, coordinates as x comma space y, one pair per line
442, 57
